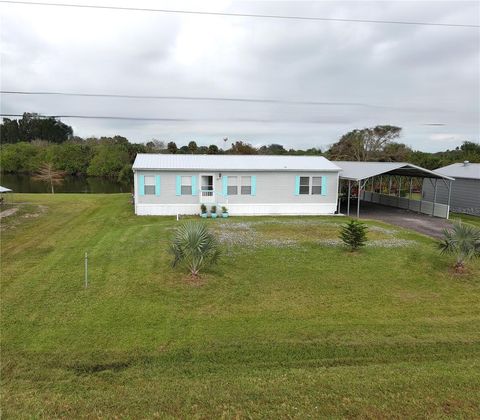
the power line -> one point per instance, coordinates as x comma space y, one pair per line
108, 117
245, 15
189, 98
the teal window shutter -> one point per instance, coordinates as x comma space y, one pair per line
297, 185
179, 185
253, 189
225, 186
194, 185
157, 184
141, 184
324, 185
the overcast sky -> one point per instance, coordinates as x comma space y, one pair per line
404, 75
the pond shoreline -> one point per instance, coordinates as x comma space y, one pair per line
24, 183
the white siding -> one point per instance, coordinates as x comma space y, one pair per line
275, 194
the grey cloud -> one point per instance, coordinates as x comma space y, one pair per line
421, 74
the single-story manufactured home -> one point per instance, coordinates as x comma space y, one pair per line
465, 192
169, 184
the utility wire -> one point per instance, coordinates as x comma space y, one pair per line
108, 117
189, 98
246, 15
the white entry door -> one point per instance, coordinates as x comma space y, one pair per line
207, 193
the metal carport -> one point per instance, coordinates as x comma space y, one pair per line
379, 177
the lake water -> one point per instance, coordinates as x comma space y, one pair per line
73, 184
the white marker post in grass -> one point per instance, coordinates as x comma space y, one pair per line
86, 270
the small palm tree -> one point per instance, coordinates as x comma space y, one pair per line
194, 247
463, 241
47, 173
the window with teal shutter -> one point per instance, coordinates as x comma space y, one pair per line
157, 184
254, 185
141, 184
297, 185
324, 185
178, 186
225, 186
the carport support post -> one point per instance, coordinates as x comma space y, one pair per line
410, 192
434, 196
380, 189
389, 185
348, 199
358, 198
449, 194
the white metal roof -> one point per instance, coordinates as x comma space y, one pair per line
362, 170
461, 170
3, 189
233, 162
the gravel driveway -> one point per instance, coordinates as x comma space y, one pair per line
422, 223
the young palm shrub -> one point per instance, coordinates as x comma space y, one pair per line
354, 235
194, 247
463, 241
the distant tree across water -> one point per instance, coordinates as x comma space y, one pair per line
32, 127
32, 140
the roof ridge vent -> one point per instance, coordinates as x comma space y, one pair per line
466, 162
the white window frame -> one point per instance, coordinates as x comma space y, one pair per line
187, 185
149, 185
303, 185
231, 184
318, 185
310, 185
249, 186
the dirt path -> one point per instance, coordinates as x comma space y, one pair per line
8, 212
422, 223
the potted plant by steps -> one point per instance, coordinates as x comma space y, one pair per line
203, 211
213, 212
224, 211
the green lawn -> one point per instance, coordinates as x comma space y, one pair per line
467, 218
288, 325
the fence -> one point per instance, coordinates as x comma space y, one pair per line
420, 206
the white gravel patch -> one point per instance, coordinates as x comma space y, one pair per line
391, 243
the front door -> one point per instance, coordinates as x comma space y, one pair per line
207, 194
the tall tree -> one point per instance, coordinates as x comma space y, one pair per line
212, 149
367, 144
272, 149
242, 148
155, 146
33, 126
192, 147
172, 147
48, 174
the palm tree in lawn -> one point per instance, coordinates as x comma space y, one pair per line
194, 247
463, 241
47, 173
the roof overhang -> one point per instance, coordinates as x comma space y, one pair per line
358, 171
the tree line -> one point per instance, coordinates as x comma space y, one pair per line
30, 142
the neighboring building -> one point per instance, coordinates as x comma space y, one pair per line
168, 184
465, 194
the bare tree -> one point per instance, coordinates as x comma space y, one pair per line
47, 173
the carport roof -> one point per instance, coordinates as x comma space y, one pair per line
357, 171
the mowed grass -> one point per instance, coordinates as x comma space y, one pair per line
285, 326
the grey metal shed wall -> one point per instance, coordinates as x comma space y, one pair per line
465, 196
